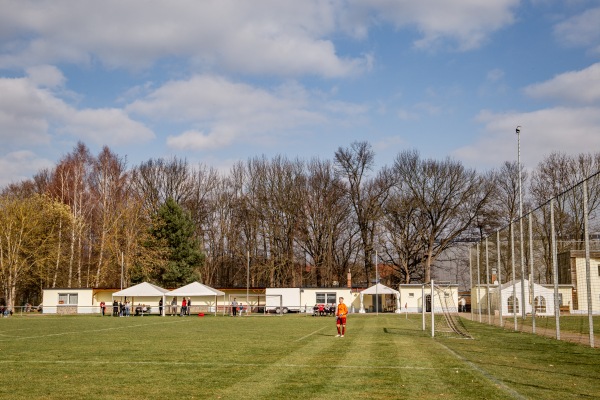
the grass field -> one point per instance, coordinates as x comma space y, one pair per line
289, 357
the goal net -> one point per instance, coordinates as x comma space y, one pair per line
440, 311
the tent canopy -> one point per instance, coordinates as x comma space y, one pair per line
195, 289
143, 289
380, 289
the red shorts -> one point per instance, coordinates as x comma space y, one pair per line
341, 320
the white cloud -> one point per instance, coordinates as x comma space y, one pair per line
222, 112
495, 75
32, 115
276, 37
46, 76
194, 140
26, 113
110, 126
20, 165
581, 30
542, 132
281, 37
576, 86
467, 23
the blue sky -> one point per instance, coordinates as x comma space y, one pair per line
220, 81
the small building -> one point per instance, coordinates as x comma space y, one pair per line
70, 301
535, 295
572, 271
304, 299
412, 301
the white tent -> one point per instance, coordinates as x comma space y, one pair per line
143, 292
143, 289
377, 290
195, 290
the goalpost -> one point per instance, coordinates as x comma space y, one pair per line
443, 319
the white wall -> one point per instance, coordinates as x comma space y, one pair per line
85, 303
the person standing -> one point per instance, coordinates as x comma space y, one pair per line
234, 306
115, 308
102, 307
183, 308
189, 305
174, 306
160, 307
341, 312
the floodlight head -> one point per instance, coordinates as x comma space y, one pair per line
518, 130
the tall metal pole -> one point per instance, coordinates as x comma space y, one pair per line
478, 286
554, 269
500, 305
588, 277
531, 276
515, 301
523, 304
471, 282
376, 285
248, 280
432, 310
487, 282
122, 269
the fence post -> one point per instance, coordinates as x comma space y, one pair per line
531, 274
514, 278
588, 277
555, 270
478, 286
500, 305
487, 285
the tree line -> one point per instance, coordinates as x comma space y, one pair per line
93, 222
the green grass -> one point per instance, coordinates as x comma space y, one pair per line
289, 357
568, 323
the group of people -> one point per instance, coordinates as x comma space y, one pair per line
236, 308
120, 309
5, 311
184, 311
321, 310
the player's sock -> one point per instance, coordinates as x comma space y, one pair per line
344, 330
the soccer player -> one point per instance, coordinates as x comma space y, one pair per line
341, 313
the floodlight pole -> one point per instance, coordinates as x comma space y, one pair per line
376, 287
523, 305
248, 281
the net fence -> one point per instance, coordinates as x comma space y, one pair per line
441, 312
541, 272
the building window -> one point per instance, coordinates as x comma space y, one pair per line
326, 298
540, 304
598, 269
513, 305
68, 298
411, 295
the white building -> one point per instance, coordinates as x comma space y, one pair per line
537, 295
572, 270
412, 300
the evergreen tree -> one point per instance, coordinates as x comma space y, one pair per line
180, 256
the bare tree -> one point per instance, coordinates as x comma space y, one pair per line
366, 194
448, 197
324, 214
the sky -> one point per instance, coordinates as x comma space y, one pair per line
216, 82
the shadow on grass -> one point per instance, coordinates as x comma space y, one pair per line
401, 331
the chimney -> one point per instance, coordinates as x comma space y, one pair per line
349, 279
